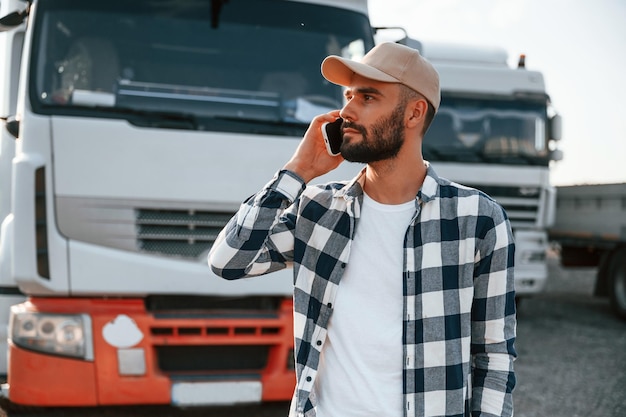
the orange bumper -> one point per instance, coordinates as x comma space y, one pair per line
198, 347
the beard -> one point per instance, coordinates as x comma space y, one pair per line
382, 141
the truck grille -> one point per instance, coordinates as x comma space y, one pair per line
522, 204
220, 336
216, 358
178, 233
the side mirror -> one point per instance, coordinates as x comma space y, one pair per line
12, 20
556, 155
12, 125
556, 127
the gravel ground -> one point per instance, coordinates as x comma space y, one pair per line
571, 351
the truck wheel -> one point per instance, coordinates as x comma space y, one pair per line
617, 282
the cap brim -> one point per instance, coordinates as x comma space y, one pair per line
340, 71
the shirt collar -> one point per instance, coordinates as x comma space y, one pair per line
354, 188
430, 187
428, 191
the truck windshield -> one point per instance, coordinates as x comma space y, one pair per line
488, 131
248, 62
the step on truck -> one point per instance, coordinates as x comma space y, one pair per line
590, 231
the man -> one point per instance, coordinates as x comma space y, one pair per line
403, 297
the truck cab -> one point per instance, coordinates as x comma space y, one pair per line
497, 131
141, 126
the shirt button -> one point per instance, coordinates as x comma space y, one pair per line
330, 305
308, 379
343, 264
319, 343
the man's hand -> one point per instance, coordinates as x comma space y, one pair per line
311, 159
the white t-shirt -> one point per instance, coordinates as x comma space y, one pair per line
360, 372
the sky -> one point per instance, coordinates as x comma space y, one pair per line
578, 45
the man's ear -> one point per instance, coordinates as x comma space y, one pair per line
417, 112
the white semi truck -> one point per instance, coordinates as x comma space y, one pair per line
138, 127
590, 230
133, 130
497, 131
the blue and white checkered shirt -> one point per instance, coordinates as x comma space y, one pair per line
459, 299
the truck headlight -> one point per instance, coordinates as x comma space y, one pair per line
59, 334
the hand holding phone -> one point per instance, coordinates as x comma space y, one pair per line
333, 137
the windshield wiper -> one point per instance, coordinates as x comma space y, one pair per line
154, 118
258, 126
188, 121
453, 154
431, 153
143, 118
234, 124
515, 159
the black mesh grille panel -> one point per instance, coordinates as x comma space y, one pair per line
179, 233
522, 204
212, 358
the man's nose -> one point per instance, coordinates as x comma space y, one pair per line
347, 112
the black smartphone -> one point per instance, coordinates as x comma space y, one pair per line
333, 136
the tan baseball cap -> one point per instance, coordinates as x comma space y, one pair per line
388, 62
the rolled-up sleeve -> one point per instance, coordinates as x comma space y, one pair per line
259, 238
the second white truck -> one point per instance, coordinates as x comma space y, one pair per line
497, 131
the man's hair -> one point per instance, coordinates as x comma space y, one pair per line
407, 94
